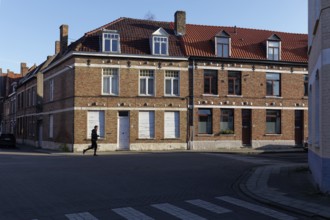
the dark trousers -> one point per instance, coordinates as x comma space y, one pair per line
94, 146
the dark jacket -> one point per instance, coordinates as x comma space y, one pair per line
94, 135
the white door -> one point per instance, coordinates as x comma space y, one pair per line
123, 133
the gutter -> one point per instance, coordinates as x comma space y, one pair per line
111, 55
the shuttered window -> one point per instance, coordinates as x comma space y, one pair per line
95, 118
172, 124
146, 124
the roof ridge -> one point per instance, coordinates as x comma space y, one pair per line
100, 28
255, 29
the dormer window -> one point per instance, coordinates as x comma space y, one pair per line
274, 48
222, 44
110, 42
159, 42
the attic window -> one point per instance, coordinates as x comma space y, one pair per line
222, 44
274, 48
159, 42
110, 42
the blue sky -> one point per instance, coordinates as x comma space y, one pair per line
29, 28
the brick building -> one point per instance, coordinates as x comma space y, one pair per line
319, 72
8, 87
249, 87
153, 85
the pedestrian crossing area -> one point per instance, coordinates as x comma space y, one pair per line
197, 209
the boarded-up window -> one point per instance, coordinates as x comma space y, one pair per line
172, 124
95, 118
146, 124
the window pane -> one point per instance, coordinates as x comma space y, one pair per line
106, 85
168, 88
269, 88
164, 48
273, 44
276, 57
114, 45
157, 48
276, 88
219, 50
207, 85
230, 86
176, 87
114, 85
143, 86
223, 40
150, 86
225, 51
106, 45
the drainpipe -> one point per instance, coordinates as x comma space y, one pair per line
191, 145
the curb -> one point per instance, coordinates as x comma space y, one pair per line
255, 185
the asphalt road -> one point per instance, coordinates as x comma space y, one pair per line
129, 186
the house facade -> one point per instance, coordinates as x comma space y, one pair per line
249, 87
319, 69
152, 85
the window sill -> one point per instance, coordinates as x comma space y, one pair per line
142, 95
210, 95
171, 96
234, 96
232, 135
273, 134
146, 139
171, 139
305, 97
110, 94
273, 97
205, 135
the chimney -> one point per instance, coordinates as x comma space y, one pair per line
57, 47
64, 29
180, 23
24, 69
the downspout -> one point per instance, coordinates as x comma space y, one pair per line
191, 147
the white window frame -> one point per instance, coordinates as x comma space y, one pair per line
159, 39
171, 76
51, 89
110, 74
148, 127
146, 75
51, 126
174, 134
111, 36
279, 49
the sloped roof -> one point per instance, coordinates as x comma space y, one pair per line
245, 43
199, 40
134, 37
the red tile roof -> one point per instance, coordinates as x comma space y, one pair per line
245, 43
198, 41
134, 37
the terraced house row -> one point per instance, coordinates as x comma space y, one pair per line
153, 85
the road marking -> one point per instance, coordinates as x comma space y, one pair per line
208, 206
256, 208
177, 212
131, 214
81, 216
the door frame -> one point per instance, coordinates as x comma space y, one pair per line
244, 127
122, 115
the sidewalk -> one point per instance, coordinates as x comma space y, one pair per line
289, 187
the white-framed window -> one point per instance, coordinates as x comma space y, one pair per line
110, 42
51, 89
146, 82
172, 83
110, 81
160, 45
146, 124
51, 126
95, 118
172, 124
273, 52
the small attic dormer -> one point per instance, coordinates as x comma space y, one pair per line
159, 42
110, 41
222, 44
274, 47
